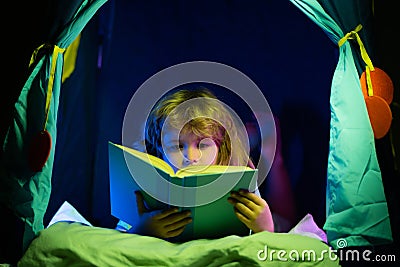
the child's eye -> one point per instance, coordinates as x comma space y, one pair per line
204, 145
175, 147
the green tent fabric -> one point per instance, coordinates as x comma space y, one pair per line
357, 212
355, 191
24, 191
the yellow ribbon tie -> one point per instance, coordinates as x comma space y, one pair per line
57, 50
369, 67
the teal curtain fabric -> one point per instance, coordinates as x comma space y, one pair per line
25, 192
357, 212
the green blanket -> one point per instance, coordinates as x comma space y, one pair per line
74, 244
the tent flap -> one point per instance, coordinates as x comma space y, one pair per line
24, 191
356, 207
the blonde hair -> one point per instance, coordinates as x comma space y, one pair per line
207, 118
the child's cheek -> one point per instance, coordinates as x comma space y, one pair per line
210, 158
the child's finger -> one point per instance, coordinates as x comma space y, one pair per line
244, 200
176, 223
166, 213
252, 197
242, 218
175, 232
244, 210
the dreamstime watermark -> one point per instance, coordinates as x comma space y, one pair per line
365, 255
296, 255
330, 254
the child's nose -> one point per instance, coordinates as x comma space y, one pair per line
193, 154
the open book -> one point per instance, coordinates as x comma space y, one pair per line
203, 190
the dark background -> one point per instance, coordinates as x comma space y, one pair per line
275, 44
287, 56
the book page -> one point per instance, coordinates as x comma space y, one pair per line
156, 162
202, 170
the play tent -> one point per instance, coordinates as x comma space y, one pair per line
356, 207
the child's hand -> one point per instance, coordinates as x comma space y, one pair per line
252, 210
160, 223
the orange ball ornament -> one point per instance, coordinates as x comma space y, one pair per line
382, 85
39, 150
379, 114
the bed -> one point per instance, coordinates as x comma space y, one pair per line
70, 240
75, 244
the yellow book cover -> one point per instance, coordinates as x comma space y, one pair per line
203, 190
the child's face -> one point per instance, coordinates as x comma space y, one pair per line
184, 149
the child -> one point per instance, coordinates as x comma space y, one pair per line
191, 127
